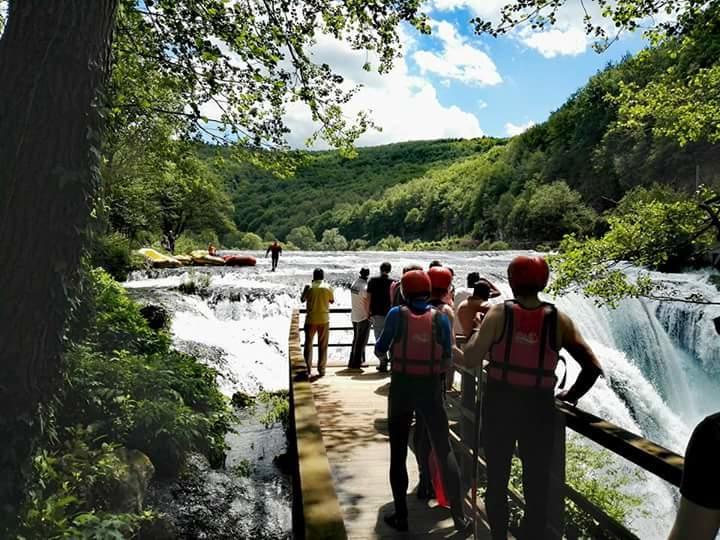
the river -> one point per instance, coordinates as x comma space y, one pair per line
661, 359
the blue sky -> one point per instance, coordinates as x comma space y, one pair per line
454, 83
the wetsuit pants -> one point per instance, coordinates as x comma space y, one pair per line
422, 396
275, 258
361, 332
323, 333
527, 418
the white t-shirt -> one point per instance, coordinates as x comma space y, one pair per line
358, 295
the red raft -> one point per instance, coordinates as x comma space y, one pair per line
239, 260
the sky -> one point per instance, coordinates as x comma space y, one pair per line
455, 83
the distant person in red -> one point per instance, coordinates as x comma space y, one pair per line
275, 249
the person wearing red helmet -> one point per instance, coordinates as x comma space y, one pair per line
441, 279
523, 337
417, 336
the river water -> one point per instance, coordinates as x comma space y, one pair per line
661, 359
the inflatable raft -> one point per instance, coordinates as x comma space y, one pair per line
239, 260
203, 258
158, 260
185, 260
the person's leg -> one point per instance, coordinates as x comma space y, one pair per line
499, 445
354, 361
400, 418
378, 325
431, 408
323, 338
535, 442
363, 335
421, 443
310, 330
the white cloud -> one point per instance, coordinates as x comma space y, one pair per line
482, 104
556, 42
566, 37
405, 106
513, 129
458, 59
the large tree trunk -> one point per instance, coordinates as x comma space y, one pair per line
54, 60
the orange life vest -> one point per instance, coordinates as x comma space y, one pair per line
417, 345
527, 353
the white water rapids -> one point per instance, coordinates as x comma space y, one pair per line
661, 359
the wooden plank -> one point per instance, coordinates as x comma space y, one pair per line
320, 513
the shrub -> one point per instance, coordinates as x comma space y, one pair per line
498, 245
332, 240
251, 241
359, 244
112, 252
390, 243
303, 237
278, 408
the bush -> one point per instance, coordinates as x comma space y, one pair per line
251, 241
303, 237
112, 252
498, 245
278, 408
390, 243
72, 490
359, 244
332, 240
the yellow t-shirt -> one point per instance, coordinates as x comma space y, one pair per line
318, 298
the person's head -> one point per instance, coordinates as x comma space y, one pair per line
528, 275
364, 273
385, 268
318, 274
275, 243
441, 279
411, 267
415, 285
434, 264
472, 279
481, 289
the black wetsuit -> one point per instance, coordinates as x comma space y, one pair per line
275, 251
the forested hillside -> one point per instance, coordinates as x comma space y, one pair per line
618, 132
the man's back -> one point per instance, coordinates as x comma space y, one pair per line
358, 297
318, 296
379, 290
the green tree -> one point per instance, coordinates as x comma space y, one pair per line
332, 240
54, 66
303, 237
251, 241
656, 228
390, 243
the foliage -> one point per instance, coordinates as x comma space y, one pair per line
657, 228
596, 474
277, 408
358, 244
332, 240
111, 252
303, 237
390, 243
251, 241
70, 488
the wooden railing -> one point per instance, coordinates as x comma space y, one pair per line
318, 491
316, 510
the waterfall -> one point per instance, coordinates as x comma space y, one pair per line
661, 359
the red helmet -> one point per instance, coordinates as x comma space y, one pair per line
440, 277
528, 275
415, 283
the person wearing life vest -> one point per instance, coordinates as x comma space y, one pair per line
417, 336
396, 296
524, 337
441, 278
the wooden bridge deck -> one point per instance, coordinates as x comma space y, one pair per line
352, 412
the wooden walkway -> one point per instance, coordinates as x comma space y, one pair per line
352, 412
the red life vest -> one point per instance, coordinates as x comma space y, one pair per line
417, 346
527, 354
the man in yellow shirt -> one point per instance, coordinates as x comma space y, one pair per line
318, 296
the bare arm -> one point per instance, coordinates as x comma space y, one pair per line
303, 296
695, 521
494, 291
488, 333
590, 368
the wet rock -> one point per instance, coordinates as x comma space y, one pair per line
242, 400
161, 527
128, 495
156, 316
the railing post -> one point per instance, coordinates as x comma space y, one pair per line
556, 488
469, 392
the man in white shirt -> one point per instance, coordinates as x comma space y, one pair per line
360, 317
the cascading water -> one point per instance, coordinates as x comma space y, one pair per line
660, 358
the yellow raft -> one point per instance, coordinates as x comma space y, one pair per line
158, 260
202, 257
185, 260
